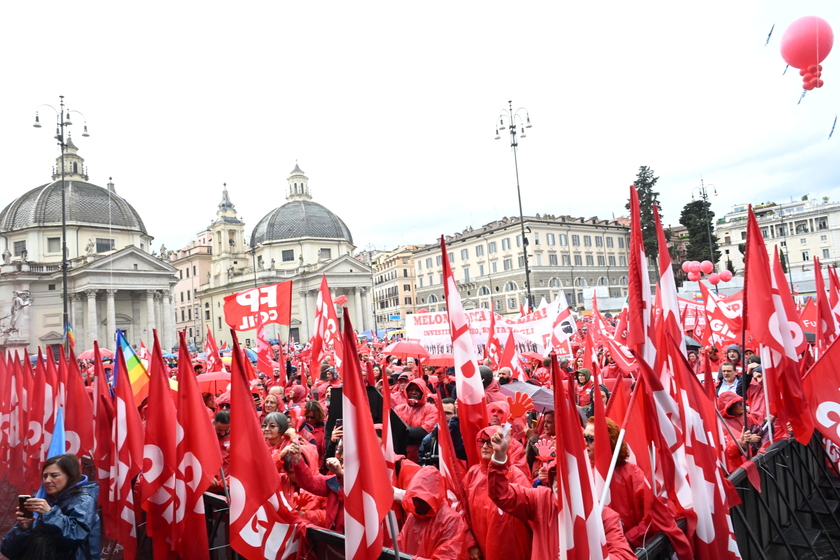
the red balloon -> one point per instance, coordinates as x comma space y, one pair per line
694, 276
706, 266
808, 85
695, 267
714, 278
812, 68
807, 77
686, 266
802, 72
725, 275
807, 41
820, 83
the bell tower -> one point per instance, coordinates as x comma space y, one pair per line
298, 185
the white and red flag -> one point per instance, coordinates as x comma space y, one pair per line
834, 295
103, 424
262, 524
764, 312
367, 501
826, 328
78, 411
563, 328
263, 350
667, 288
621, 355
272, 303
326, 329
797, 332
493, 349
387, 439
146, 356
197, 462
211, 351
156, 487
35, 449
127, 457
510, 358
640, 305
723, 324
472, 409
450, 465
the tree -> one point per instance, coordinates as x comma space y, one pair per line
645, 181
697, 217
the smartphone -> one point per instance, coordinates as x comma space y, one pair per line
21, 501
339, 422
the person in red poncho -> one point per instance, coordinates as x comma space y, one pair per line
499, 536
418, 415
433, 530
497, 414
538, 507
736, 437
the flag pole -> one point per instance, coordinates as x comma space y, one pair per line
392, 528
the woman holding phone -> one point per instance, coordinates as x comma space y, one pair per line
67, 525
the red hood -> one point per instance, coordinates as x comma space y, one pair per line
500, 408
427, 485
725, 400
423, 388
298, 394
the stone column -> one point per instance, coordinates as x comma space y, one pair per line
304, 318
111, 315
150, 314
166, 335
136, 325
92, 322
366, 310
358, 318
79, 324
159, 314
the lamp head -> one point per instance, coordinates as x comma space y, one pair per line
497, 134
67, 120
527, 121
85, 134
37, 121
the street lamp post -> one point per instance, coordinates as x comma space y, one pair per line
63, 121
253, 253
704, 196
511, 116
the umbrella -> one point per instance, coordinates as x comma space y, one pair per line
170, 355
691, 342
88, 354
440, 360
251, 355
809, 336
406, 349
215, 383
543, 398
532, 356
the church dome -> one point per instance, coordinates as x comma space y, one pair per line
299, 218
86, 203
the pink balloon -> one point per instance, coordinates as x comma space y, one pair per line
714, 278
686, 266
807, 77
695, 267
694, 276
725, 275
808, 85
706, 267
820, 83
807, 41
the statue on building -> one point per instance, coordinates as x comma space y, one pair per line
230, 272
90, 248
271, 266
21, 300
7, 256
260, 265
23, 254
163, 255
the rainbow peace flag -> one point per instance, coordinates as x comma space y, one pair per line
137, 374
69, 337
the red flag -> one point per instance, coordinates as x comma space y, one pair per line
387, 439
263, 350
826, 331
262, 525
157, 485
472, 409
510, 358
273, 303
797, 332
103, 424
197, 461
367, 501
493, 349
603, 453
35, 433
640, 306
326, 329
450, 465
127, 457
624, 359
821, 385
581, 529
764, 310
667, 288
78, 410
834, 295
5, 414
724, 325
214, 361
808, 316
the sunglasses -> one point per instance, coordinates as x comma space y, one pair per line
483, 442
589, 439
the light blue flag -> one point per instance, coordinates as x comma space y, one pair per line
58, 445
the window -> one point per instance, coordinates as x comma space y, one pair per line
288, 255
781, 244
622, 260
823, 238
508, 264
433, 298
53, 244
552, 259
451, 256
539, 259
189, 314
587, 241
497, 305
826, 253
549, 239
466, 275
182, 315
439, 260
822, 223
511, 287
485, 305
440, 278
182, 297
419, 264
576, 240
420, 278
806, 256
519, 241
621, 243
521, 261
19, 247
206, 315
506, 244
590, 261
601, 261
465, 254
494, 266
744, 235
491, 247
727, 240
181, 274
481, 270
51, 287
431, 280
103, 245
405, 273
536, 238
567, 261
611, 260
578, 260
484, 291
405, 260
188, 296
408, 301
406, 287
429, 262
512, 303
803, 241
564, 239
609, 242
479, 250
220, 323
599, 241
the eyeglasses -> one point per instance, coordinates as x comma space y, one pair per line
449, 413
483, 442
589, 439
270, 427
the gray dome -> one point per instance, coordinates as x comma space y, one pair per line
86, 204
299, 218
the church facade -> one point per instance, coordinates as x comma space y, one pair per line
114, 279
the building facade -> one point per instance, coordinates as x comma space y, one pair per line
113, 280
574, 255
802, 230
192, 263
300, 241
394, 294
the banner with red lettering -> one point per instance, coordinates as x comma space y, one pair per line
272, 303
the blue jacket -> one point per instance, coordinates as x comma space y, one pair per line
72, 522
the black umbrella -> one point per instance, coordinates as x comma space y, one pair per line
691, 342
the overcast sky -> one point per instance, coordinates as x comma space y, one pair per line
389, 107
